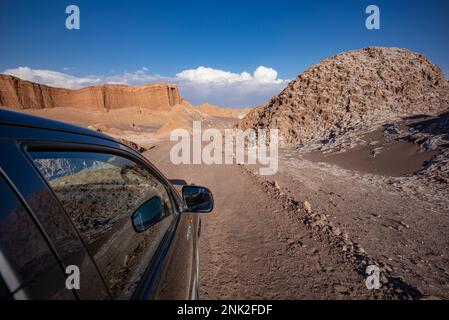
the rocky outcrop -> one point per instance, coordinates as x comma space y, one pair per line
352, 91
20, 94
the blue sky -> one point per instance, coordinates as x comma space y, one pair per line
145, 41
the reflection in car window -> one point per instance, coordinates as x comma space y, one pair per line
100, 192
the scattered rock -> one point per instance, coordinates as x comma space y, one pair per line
383, 279
336, 231
277, 185
306, 206
359, 249
341, 289
404, 224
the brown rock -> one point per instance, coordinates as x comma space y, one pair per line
353, 90
306, 206
341, 289
336, 231
16, 93
277, 185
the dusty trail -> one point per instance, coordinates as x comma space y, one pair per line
253, 247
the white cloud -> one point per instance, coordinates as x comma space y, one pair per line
203, 84
136, 78
212, 76
206, 75
266, 75
52, 78
65, 80
227, 88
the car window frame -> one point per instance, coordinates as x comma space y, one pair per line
146, 283
21, 293
5, 293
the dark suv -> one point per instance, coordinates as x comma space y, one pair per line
83, 216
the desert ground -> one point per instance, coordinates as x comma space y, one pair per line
310, 231
262, 242
363, 176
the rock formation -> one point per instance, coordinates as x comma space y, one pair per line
353, 91
21, 94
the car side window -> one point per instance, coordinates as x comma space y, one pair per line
101, 193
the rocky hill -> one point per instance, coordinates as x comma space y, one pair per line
353, 91
16, 93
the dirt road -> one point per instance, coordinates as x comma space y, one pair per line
260, 243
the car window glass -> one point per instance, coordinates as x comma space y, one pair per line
100, 192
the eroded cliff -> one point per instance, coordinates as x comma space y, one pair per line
16, 93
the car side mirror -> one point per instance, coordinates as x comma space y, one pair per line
148, 214
198, 199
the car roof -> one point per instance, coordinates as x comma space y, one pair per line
8, 117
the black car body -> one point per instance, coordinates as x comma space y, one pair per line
75, 198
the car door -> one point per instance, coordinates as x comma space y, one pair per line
29, 268
101, 189
48, 213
